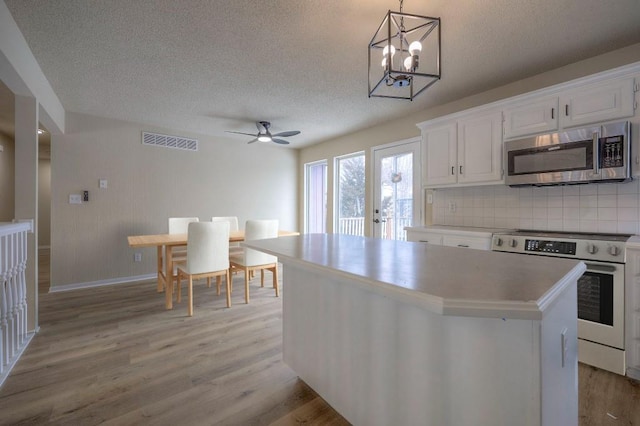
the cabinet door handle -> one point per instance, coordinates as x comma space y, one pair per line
553, 110
463, 245
460, 169
453, 170
566, 110
424, 241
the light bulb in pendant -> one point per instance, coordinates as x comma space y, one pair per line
415, 47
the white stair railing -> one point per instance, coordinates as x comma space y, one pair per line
13, 294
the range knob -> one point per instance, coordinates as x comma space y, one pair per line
513, 243
614, 250
497, 241
592, 248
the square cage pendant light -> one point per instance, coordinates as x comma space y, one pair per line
404, 56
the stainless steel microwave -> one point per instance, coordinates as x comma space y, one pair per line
590, 154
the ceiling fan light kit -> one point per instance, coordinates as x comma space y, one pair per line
264, 135
404, 56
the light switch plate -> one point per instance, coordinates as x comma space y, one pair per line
75, 199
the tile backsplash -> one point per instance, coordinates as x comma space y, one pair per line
605, 208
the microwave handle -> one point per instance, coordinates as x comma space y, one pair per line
596, 153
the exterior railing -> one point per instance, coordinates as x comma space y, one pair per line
351, 225
390, 227
13, 294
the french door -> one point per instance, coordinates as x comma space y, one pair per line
396, 195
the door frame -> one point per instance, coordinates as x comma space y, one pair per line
412, 144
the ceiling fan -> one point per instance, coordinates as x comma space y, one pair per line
264, 135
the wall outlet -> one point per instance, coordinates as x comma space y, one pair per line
137, 257
103, 183
452, 207
75, 199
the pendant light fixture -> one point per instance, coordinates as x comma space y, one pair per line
404, 55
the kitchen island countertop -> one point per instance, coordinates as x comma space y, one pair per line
446, 280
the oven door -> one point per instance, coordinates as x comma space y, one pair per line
601, 304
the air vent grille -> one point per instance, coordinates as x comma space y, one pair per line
166, 141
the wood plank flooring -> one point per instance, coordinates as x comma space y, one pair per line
115, 356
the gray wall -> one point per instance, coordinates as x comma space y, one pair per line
7, 180
148, 184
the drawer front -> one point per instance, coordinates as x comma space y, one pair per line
477, 243
424, 237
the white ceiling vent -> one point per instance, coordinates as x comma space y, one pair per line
166, 141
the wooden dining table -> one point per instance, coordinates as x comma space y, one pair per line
165, 243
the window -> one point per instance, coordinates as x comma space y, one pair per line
350, 178
315, 218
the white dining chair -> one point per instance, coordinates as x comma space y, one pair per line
250, 260
233, 226
179, 225
207, 257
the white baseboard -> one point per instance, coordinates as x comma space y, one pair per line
100, 283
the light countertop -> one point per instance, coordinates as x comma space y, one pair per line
458, 230
447, 280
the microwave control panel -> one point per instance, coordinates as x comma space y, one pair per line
612, 151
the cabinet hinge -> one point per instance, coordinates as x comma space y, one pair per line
636, 87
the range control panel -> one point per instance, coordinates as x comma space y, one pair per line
546, 246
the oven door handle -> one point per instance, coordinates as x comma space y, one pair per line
601, 268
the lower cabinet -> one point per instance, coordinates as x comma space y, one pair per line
424, 237
467, 241
452, 237
632, 308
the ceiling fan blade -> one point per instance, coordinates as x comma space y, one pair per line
241, 133
289, 133
280, 141
252, 141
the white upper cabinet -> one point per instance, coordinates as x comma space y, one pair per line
588, 104
439, 155
480, 148
597, 102
463, 151
530, 118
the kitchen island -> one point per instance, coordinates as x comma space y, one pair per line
392, 332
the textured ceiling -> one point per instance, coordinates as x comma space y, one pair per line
208, 66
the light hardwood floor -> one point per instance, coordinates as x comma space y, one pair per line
114, 355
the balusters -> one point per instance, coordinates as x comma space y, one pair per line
13, 295
22, 289
3, 303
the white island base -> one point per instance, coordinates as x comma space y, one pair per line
382, 355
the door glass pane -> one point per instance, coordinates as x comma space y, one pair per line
396, 191
316, 202
351, 186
